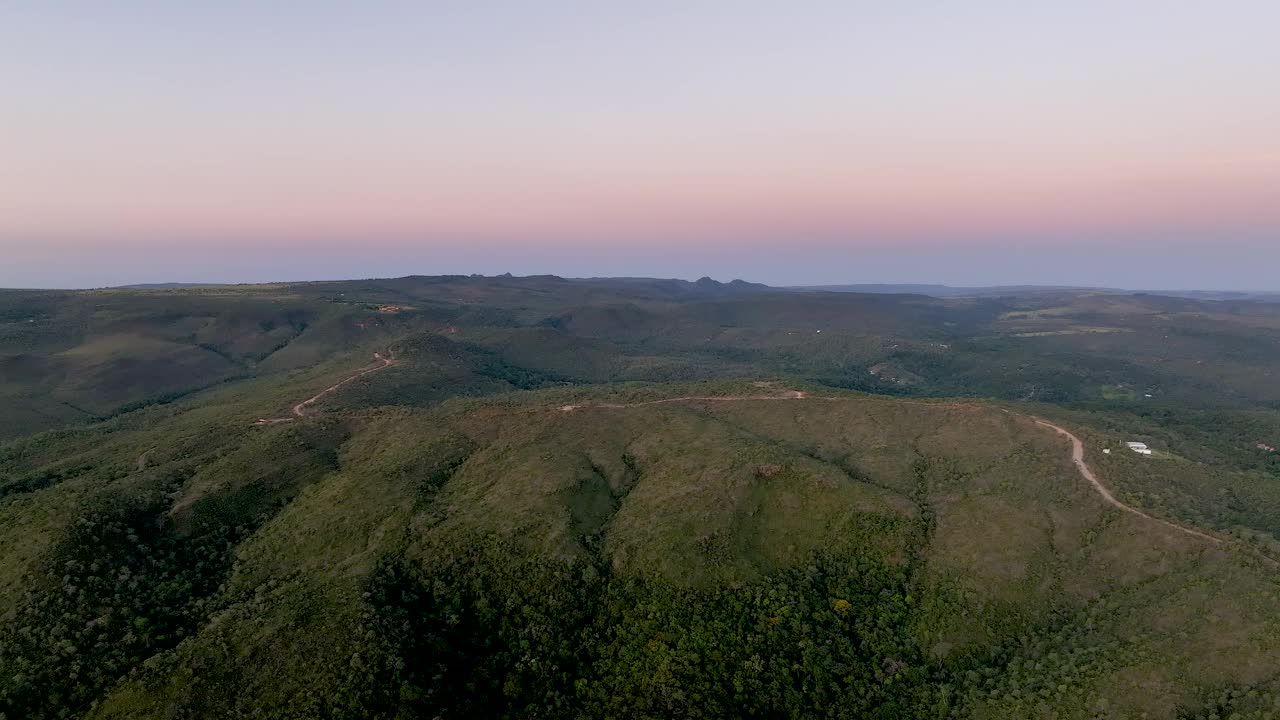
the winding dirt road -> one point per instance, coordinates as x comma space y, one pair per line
1077, 447
1077, 457
380, 362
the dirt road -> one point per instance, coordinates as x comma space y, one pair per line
1077, 447
380, 362
1077, 457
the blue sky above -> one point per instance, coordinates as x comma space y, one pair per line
1123, 144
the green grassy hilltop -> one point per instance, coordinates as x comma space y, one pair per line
634, 498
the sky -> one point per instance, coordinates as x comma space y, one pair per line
1126, 144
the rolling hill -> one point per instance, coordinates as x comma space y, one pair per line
634, 498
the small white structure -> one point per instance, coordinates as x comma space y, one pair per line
1140, 448
1106, 451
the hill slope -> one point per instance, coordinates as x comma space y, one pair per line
692, 558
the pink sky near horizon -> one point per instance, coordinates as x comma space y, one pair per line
490, 127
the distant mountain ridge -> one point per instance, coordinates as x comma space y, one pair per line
704, 285
707, 286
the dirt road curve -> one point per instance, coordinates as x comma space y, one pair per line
1077, 457
1077, 447
380, 362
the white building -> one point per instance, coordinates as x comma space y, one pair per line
1140, 448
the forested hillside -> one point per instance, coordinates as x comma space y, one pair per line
634, 499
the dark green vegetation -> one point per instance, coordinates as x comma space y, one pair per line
492, 527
